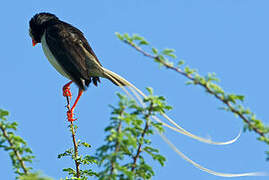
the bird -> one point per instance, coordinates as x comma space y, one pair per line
69, 52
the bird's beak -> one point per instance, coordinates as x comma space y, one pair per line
34, 42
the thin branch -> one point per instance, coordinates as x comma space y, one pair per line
135, 158
190, 77
74, 140
5, 134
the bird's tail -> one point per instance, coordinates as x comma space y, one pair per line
120, 81
115, 78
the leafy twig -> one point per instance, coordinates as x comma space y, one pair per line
128, 136
228, 100
20, 154
74, 140
15, 150
142, 137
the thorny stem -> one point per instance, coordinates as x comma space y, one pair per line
228, 104
5, 134
135, 158
74, 140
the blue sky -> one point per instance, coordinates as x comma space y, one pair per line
227, 37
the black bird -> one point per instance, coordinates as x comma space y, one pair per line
68, 51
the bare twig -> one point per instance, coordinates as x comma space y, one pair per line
74, 140
190, 77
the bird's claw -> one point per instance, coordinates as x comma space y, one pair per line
70, 115
67, 92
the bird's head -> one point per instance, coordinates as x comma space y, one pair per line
38, 24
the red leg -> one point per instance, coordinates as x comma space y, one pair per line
70, 113
66, 90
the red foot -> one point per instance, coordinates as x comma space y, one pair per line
70, 115
66, 90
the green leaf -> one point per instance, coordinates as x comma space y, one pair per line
3, 114
70, 171
168, 51
119, 36
143, 42
172, 56
126, 36
34, 176
161, 159
180, 63
137, 37
150, 90
241, 97
86, 144
234, 97
155, 51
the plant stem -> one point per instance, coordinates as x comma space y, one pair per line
180, 71
74, 140
135, 158
5, 134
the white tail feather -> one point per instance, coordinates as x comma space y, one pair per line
209, 170
117, 79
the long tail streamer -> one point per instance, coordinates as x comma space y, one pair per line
117, 79
205, 169
177, 128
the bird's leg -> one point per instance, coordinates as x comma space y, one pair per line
66, 90
70, 112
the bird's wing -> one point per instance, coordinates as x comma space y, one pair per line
72, 51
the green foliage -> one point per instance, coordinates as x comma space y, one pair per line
135, 38
34, 176
128, 143
19, 153
136, 41
128, 140
85, 162
232, 102
18, 150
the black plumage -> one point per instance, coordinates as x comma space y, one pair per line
69, 47
71, 55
